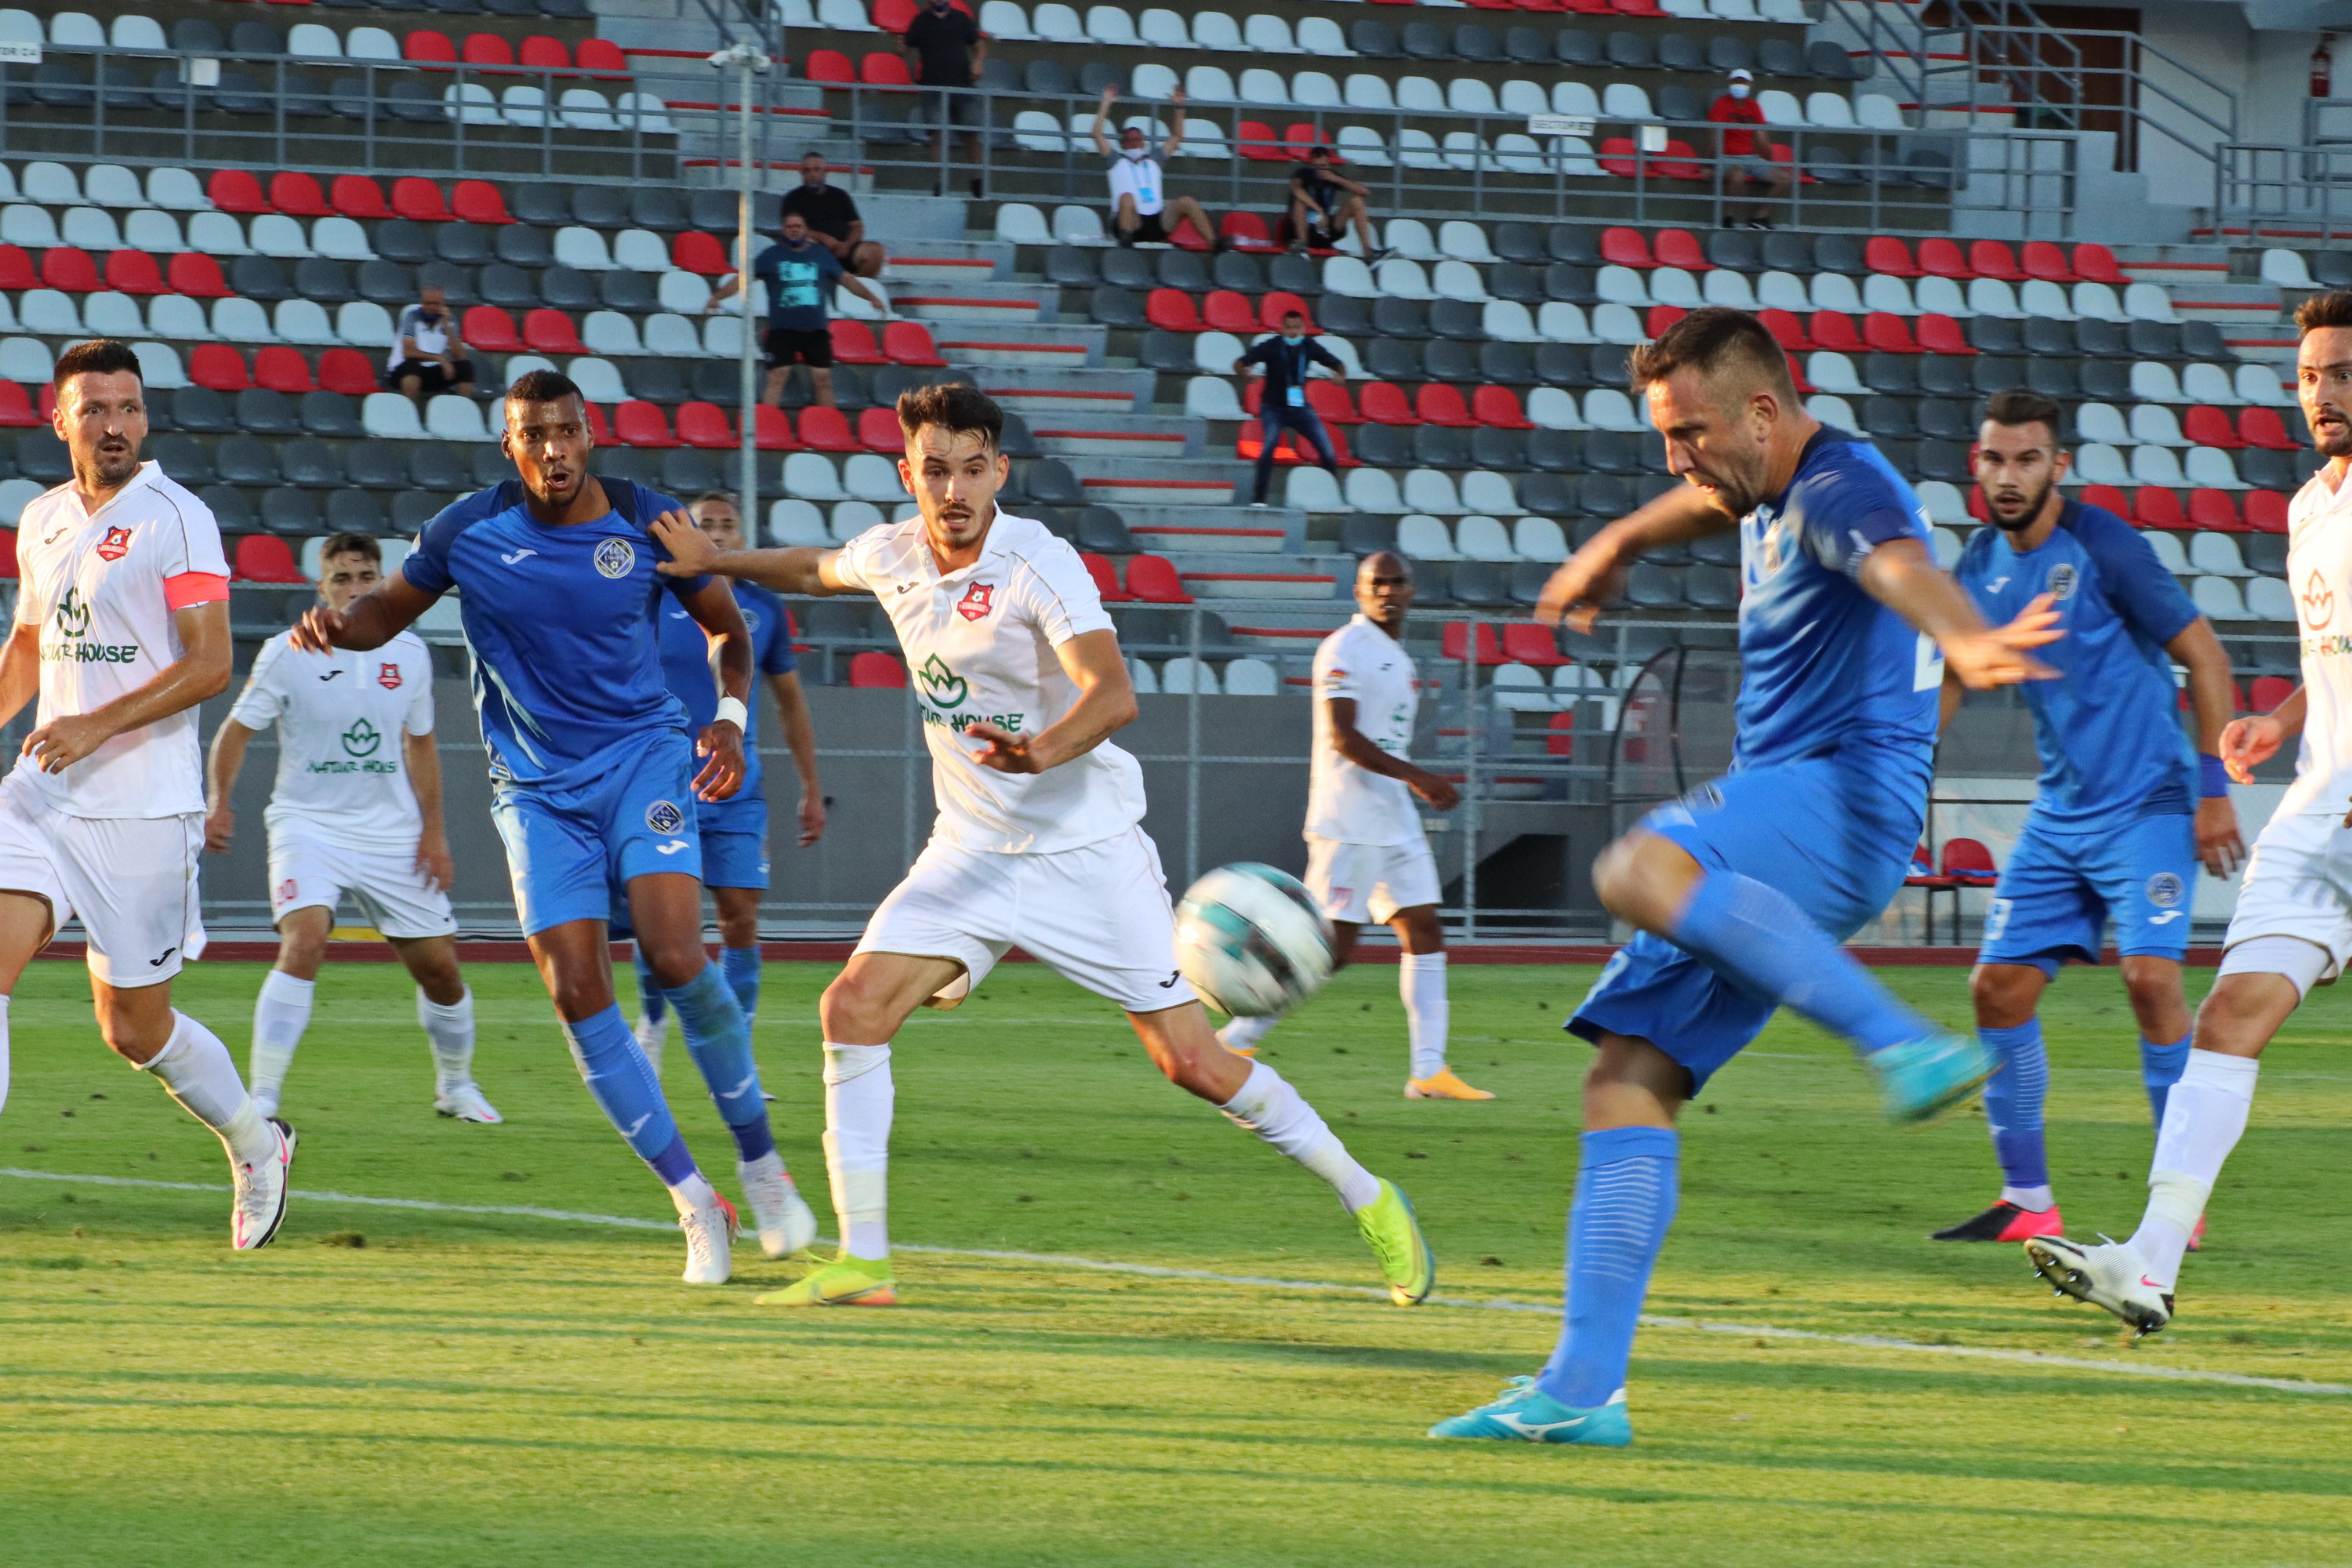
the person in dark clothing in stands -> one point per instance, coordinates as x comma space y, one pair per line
1324, 202
1285, 360
944, 47
800, 274
1743, 156
833, 221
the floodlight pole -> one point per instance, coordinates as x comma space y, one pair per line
752, 59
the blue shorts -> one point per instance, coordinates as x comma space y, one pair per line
2059, 890
572, 850
1831, 834
735, 838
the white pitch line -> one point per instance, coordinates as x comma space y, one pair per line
1161, 1271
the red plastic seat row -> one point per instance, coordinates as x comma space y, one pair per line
1223, 310
1292, 447
2255, 427
1150, 580
1940, 257
1672, 248
1329, 400
426, 46
359, 196
1621, 158
2151, 506
903, 342
1882, 332
280, 368
893, 16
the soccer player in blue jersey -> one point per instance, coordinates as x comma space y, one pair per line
734, 830
2126, 810
594, 780
1741, 892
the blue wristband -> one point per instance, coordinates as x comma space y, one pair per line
2212, 778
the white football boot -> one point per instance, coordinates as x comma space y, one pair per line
464, 1102
260, 1206
709, 1235
652, 1035
2111, 1276
785, 1223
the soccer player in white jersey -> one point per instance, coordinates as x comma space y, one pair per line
122, 629
2293, 926
1021, 684
356, 810
1367, 857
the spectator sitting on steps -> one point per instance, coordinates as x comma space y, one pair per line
1744, 155
1324, 202
428, 357
1141, 209
833, 220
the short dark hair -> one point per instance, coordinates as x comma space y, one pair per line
1709, 340
2333, 308
97, 356
347, 543
2024, 406
1294, 311
726, 496
959, 408
544, 386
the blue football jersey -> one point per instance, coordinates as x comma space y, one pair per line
561, 625
1823, 664
693, 681
2108, 728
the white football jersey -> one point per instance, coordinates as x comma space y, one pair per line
104, 588
2319, 575
1344, 802
340, 719
979, 646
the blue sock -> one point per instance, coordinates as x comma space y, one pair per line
649, 996
2012, 1102
720, 1042
2160, 1068
1754, 936
741, 967
622, 1082
1626, 1189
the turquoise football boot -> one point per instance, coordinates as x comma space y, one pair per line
1923, 1078
1527, 1415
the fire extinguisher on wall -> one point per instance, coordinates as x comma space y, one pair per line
2323, 67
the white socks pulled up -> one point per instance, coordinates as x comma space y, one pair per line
280, 1014
2204, 1116
1420, 982
451, 1031
859, 1102
1277, 1112
196, 1069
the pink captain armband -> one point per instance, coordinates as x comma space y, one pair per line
190, 589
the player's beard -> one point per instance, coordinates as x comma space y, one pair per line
112, 462
2331, 431
2034, 504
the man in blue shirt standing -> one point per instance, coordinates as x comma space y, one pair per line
1742, 891
734, 830
2125, 810
799, 274
1287, 360
593, 778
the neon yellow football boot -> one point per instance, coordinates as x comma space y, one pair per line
1395, 1238
846, 1281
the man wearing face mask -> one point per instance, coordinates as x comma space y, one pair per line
1142, 208
1743, 154
1282, 400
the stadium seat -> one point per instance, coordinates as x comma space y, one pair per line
265, 558
877, 671
853, 343
1153, 580
825, 429
877, 431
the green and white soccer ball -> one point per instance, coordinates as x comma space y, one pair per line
1251, 941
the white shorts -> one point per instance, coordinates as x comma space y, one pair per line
132, 880
310, 868
2298, 883
1367, 884
1099, 915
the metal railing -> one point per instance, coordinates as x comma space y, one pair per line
2272, 189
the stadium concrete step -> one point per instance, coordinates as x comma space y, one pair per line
951, 262
1005, 304
1117, 481
1063, 406
1163, 528
1026, 347
2236, 307
1211, 574
1126, 436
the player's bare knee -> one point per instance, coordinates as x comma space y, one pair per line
855, 1009
2153, 985
673, 963
1642, 880
2004, 994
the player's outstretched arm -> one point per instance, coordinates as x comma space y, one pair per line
1901, 575
2213, 698
370, 621
1584, 585
800, 568
1105, 704
1357, 747
201, 671
221, 765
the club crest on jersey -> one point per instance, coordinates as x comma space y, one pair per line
116, 544
664, 817
974, 604
2164, 889
388, 677
2318, 602
2063, 581
615, 558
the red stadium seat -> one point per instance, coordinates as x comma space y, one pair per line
878, 431
1498, 408
826, 429
1452, 645
1993, 258
283, 369
831, 67
17, 410
219, 367
1524, 642
1153, 580
771, 432
297, 195
699, 252
419, 200
2263, 427
266, 558
1184, 237
1884, 253
1385, 403
477, 201
1560, 739
1625, 247
2210, 427
71, 269
1887, 333
1941, 257
550, 332
879, 69
2269, 692
1831, 330
2108, 497
2153, 505
1681, 159
16, 269
1330, 402
1246, 231
1591, 7
1106, 576
853, 342
1942, 335
1658, 317
894, 15
1440, 404
236, 191
1302, 140
1680, 248
129, 273
2214, 509
347, 370
600, 427
1797, 377
1969, 863
2043, 260
637, 423
540, 52
909, 342
1259, 143
8, 555
1280, 303
356, 196
1636, 7
2265, 512
876, 671
425, 47
705, 425
602, 55
489, 326
1785, 330
1227, 311
2096, 264
487, 49
1620, 158
1172, 311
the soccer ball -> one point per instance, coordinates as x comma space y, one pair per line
1251, 941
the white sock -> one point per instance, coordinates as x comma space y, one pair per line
1241, 1034
695, 1193
1277, 1112
280, 1014
2033, 1200
2204, 1116
1421, 981
196, 1069
451, 1030
4, 1051
859, 1101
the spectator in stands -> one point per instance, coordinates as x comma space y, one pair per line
1324, 202
944, 47
428, 357
1282, 405
833, 220
1744, 155
1141, 209
800, 274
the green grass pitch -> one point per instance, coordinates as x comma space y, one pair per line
389, 1386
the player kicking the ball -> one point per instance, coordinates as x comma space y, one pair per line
2293, 928
122, 629
1021, 684
2112, 830
356, 809
1741, 892
593, 778
1366, 856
